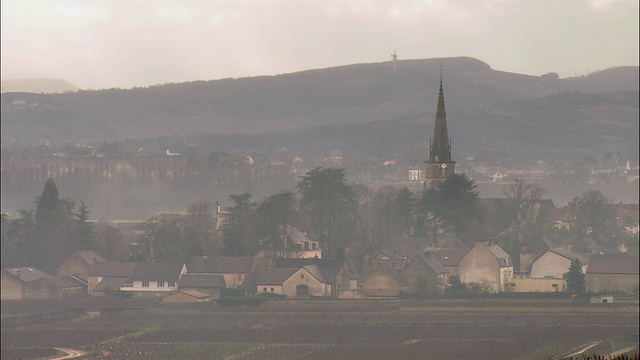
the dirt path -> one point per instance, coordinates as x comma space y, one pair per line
618, 352
581, 350
71, 354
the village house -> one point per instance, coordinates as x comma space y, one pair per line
79, 263
384, 282
332, 275
555, 263
450, 259
488, 264
211, 285
153, 280
31, 283
425, 273
613, 273
106, 278
298, 246
234, 270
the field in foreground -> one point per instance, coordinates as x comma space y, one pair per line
499, 329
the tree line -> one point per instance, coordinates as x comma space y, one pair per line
322, 205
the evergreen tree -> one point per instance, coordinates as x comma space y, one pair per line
403, 211
274, 214
83, 229
51, 211
332, 205
239, 229
575, 278
456, 200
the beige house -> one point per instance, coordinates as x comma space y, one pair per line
332, 272
488, 264
303, 282
555, 263
617, 273
384, 282
298, 246
79, 263
271, 281
153, 280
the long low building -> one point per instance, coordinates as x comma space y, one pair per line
616, 273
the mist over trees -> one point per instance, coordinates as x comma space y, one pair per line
46, 236
324, 206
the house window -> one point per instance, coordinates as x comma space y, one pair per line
160, 283
145, 284
513, 284
272, 289
301, 276
264, 289
555, 286
172, 284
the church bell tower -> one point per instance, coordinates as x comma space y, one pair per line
439, 165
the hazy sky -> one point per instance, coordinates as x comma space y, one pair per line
126, 43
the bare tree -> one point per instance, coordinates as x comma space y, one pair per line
201, 225
109, 241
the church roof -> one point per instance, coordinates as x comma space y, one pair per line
440, 150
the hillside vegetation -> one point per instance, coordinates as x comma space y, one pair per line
482, 104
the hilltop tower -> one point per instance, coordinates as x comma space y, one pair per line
439, 165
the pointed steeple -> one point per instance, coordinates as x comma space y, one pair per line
440, 151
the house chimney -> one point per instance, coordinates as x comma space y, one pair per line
18, 273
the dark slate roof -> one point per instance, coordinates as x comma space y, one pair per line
450, 242
318, 274
111, 284
569, 255
613, 264
497, 251
433, 263
67, 281
395, 264
297, 236
28, 273
274, 276
157, 271
449, 257
202, 281
113, 269
220, 265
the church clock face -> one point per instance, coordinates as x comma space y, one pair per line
444, 166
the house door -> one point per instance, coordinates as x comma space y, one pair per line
302, 290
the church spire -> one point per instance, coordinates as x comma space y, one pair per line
440, 151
